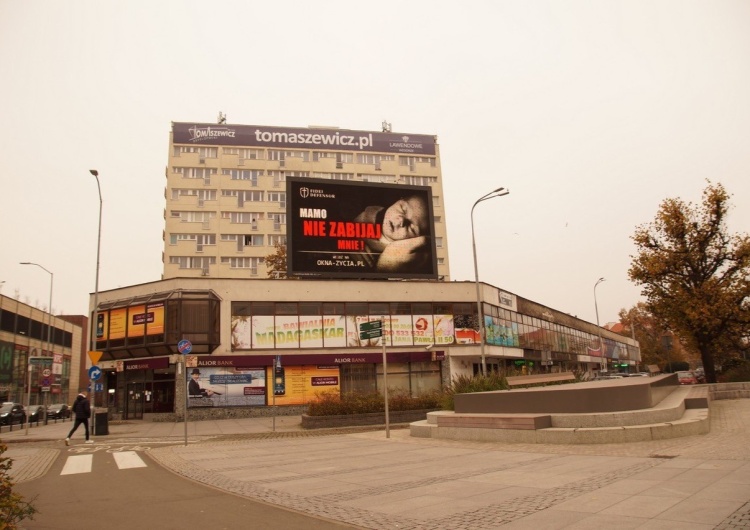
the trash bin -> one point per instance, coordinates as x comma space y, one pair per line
101, 426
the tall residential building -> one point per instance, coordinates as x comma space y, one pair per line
226, 204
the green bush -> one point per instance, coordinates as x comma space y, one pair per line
464, 384
740, 373
334, 404
13, 507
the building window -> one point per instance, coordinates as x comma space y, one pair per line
414, 180
243, 263
203, 152
242, 217
274, 240
277, 196
192, 262
194, 172
250, 175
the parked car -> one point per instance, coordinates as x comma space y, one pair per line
11, 413
58, 411
687, 378
36, 413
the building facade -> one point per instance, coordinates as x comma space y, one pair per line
24, 335
256, 343
226, 190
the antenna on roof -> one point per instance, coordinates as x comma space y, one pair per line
386, 126
222, 118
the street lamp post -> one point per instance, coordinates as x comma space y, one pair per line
49, 338
499, 192
598, 328
92, 323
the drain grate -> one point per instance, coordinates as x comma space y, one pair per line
663, 456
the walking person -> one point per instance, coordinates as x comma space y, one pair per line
82, 410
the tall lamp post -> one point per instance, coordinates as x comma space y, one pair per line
49, 335
92, 323
499, 192
598, 328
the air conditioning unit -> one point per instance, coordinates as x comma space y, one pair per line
202, 160
204, 271
282, 163
339, 165
200, 203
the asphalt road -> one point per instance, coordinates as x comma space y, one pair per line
145, 497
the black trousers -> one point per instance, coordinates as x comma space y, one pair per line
79, 421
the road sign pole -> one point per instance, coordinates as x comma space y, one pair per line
385, 385
28, 397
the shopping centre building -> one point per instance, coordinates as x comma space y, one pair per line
360, 217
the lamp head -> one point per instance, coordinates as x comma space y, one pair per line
94, 172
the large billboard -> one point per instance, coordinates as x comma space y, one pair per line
359, 230
302, 138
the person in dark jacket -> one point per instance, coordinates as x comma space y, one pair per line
82, 409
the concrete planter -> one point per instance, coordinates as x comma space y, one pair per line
354, 420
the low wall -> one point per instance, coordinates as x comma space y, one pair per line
729, 390
629, 393
353, 420
226, 413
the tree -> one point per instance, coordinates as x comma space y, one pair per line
658, 344
13, 507
276, 262
694, 275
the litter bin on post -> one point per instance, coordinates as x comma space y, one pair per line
101, 426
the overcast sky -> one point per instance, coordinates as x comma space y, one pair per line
590, 112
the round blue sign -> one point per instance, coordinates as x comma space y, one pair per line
95, 373
184, 346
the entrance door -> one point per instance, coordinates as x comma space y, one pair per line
134, 403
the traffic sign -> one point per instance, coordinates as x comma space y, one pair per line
40, 360
372, 334
371, 326
184, 346
95, 373
95, 356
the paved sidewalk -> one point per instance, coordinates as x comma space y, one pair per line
368, 480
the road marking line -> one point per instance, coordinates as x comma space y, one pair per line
77, 464
128, 460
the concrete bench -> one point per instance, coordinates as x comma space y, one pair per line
522, 380
492, 421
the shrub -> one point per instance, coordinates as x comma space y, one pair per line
464, 384
333, 404
13, 507
738, 374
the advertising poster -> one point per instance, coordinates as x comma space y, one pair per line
302, 138
6, 362
443, 329
500, 332
226, 386
118, 319
339, 229
297, 385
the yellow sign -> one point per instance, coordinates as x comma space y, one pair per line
95, 356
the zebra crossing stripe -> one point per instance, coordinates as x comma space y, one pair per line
77, 464
128, 460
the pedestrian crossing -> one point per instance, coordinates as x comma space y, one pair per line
76, 464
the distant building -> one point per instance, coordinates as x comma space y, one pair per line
23, 334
